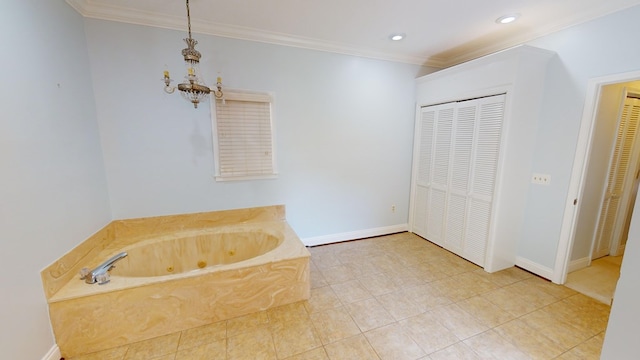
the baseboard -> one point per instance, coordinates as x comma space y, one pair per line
352, 235
534, 267
578, 264
53, 354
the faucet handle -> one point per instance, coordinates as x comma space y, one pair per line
103, 278
84, 272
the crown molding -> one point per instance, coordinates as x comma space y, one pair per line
90, 9
106, 11
590, 14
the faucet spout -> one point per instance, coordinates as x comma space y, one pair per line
100, 274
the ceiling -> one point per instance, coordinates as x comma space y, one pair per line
439, 33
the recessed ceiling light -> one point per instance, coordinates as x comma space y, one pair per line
396, 37
507, 18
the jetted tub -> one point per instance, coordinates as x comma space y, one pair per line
176, 280
193, 251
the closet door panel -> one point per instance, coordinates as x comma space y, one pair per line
442, 150
420, 210
479, 217
436, 216
483, 173
487, 151
455, 223
427, 123
436, 213
462, 148
423, 178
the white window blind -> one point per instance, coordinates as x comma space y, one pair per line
243, 137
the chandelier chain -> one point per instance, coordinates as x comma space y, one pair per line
188, 19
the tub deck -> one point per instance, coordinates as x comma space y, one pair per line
88, 318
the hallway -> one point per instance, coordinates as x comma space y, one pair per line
597, 281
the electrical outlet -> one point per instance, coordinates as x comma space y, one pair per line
541, 179
393, 208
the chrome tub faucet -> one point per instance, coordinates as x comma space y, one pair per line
100, 274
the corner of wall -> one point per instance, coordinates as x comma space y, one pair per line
56, 275
53, 353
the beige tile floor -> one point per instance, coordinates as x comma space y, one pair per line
598, 280
399, 297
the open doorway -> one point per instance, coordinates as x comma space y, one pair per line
604, 181
622, 172
610, 189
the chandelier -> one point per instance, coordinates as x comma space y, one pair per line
193, 88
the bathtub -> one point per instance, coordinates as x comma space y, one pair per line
180, 272
190, 252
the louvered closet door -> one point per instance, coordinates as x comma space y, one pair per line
423, 178
484, 165
618, 171
433, 171
440, 175
457, 197
458, 158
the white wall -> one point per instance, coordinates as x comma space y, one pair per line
53, 190
593, 49
344, 130
519, 73
623, 331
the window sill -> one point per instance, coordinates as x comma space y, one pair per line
219, 178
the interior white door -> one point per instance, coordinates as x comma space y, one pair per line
619, 181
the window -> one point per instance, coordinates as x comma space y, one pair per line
243, 137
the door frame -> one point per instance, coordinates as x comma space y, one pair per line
578, 172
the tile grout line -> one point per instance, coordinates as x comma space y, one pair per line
558, 297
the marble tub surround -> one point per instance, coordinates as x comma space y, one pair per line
131, 273
93, 323
151, 226
121, 233
213, 284
398, 297
63, 270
